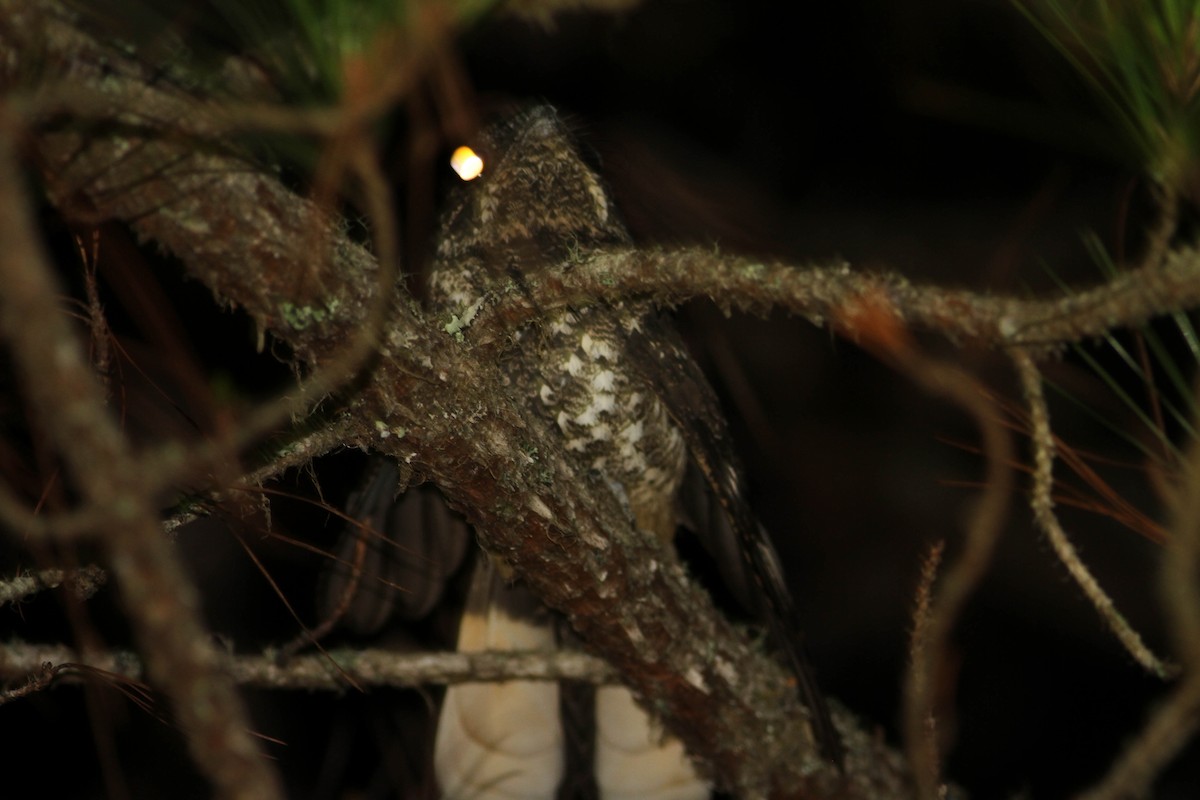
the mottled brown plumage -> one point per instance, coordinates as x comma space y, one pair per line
616, 382
536, 204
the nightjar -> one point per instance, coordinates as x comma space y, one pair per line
616, 383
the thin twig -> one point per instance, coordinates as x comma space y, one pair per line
84, 581
294, 454
369, 667
1158, 239
1042, 503
39, 678
818, 292
926, 740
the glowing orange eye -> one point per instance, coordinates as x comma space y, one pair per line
466, 163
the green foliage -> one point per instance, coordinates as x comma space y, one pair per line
314, 47
1142, 58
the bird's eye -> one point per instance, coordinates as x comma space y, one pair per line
467, 163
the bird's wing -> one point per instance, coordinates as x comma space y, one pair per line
397, 556
738, 542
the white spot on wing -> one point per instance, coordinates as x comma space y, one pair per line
487, 207
597, 349
726, 670
604, 381
599, 198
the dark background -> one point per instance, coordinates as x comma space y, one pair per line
945, 140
